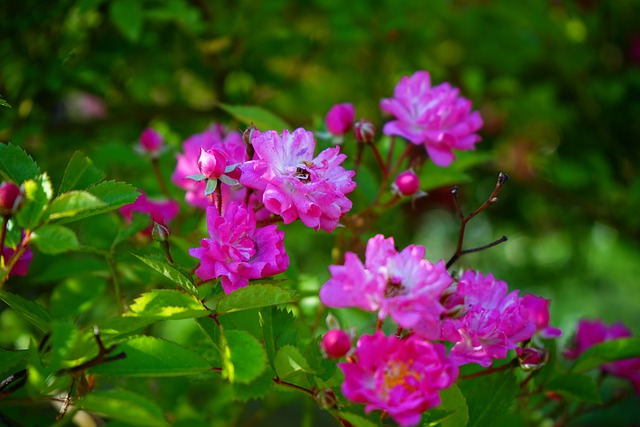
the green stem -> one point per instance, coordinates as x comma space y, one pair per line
22, 247
161, 183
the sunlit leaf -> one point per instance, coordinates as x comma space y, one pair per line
173, 272
255, 296
124, 405
244, 358
167, 304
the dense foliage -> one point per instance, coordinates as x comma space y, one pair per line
117, 323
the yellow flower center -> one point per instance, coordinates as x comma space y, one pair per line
396, 373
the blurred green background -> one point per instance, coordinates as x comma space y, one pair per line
557, 83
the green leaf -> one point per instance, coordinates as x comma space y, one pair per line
453, 400
255, 296
485, 406
167, 304
173, 272
289, 361
278, 329
436, 416
324, 368
54, 239
243, 357
575, 386
16, 165
605, 352
4, 103
128, 17
72, 204
75, 296
262, 119
356, 420
210, 328
80, 174
38, 193
116, 328
29, 310
63, 337
126, 406
12, 361
256, 389
112, 194
152, 357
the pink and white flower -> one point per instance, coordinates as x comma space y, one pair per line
237, 250
402, 285
400, 376
436, 117
492, 323
296, 184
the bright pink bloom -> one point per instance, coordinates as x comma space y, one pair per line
151, 142
212, 163
402, 285
538, 308
400, 376
340, 118
231, 144
295, 184
21, 267
590, 333
406, 183
336, 343
10, 198
237, 250
433, 116
160, 211
492, 324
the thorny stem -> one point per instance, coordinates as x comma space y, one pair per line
512, 364
502, 178
161, 183
99, 359
294, 386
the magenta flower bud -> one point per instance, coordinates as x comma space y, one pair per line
10, 198
336, 343
340, 118
150, 141
212, 163
364, 131
407, 183
532, 358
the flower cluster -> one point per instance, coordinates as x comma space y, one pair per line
264, 178
476, 314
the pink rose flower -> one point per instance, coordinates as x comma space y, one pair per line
590, 333
402, 285
433, 116
237, 250
231, 144
400, 376
340, 118
160, 212
492, 323
295, 184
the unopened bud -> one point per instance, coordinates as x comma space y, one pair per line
336, 343
212, 163
533, 358
10, 198
159, 233
326, 398
407, 183
151, 141
340, 118
364, 131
